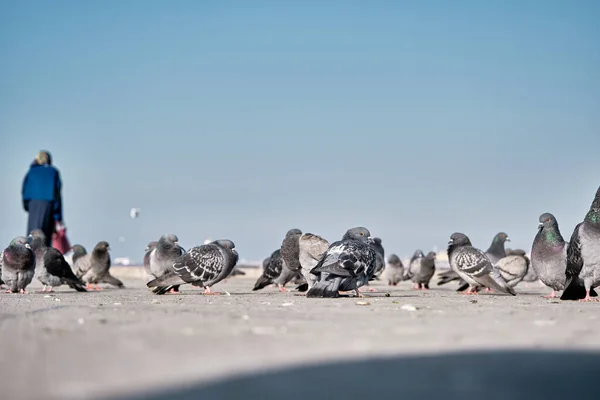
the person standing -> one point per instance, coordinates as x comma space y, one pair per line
42, 197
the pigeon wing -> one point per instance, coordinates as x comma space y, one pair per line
202, 263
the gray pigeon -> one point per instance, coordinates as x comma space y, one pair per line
51, 268
201, 266
167, 250
18, 265
1, 281
272, 268
312, 249
530, 275
494, 253
513, 268
414, 264
347, 265
395, 270
473, 266
78, 251
422, 274
583, 256
549, 255
93, 268
151, 246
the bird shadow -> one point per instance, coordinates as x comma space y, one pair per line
499, 375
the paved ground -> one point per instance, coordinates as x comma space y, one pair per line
116, 343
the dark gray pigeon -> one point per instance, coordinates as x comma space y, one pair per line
422, 274
201, 266
414, 264
272, 267
78, 251
18, 265
290, 253
290, 249
549, 255
496, 251
347, 265
94, 268
51, 268
312, 249
583, 256
395, 270
163, 256
379, 258
473, 266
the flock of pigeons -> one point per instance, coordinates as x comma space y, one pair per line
328, 270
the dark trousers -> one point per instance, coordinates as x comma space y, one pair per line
40, 217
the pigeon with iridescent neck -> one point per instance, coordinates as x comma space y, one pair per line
549, 257
583, 255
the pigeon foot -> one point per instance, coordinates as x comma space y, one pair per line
551, 295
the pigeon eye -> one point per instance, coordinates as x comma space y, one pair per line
362, 234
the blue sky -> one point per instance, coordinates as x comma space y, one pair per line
240, 120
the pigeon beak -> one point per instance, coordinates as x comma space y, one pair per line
450, 241
507, 239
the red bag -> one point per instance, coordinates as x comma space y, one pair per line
60, 240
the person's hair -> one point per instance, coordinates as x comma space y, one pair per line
43, 157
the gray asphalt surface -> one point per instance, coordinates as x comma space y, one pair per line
115, 343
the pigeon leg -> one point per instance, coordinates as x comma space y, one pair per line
43, 289
588, 298
358, 293
423, 287
551, 295
174, 291
282, 288
207, 291
416, 286
470, 291
50, 290
23, 291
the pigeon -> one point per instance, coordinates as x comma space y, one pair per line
78, 251
422, 274
151, 246
18, 265
202, 266
380, 258
549, 255
413, 264
496, 251
167, 250
272, 268
290, 249
93, 268
1, 281
583, 256
312, 249
512, 268
51, 267
290, 253
347, 265
395, 270
473, 266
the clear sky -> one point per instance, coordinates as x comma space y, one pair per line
243, 119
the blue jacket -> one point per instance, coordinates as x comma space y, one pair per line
43, 182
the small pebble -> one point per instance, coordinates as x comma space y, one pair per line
80, 321
387, 295
363, 303
57, 299
287, 304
